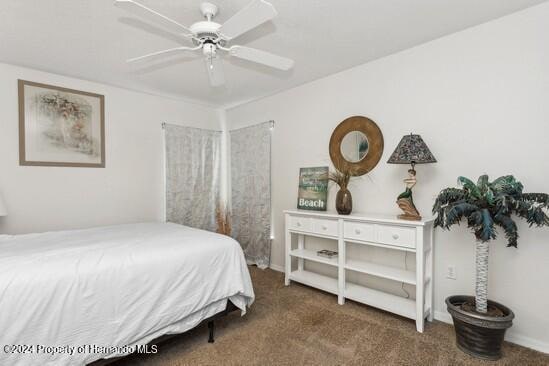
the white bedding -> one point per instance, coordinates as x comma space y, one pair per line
111, 286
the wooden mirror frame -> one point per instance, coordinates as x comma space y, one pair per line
375, 145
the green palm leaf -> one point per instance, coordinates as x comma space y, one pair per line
504, 181
469, 186
485, 231
457, 211
509, 227
448, 195
540, 198
482, 183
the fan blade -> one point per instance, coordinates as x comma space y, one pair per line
154, 54
262, 57
146, 13
215, 71
254, 14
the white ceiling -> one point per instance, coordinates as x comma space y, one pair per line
91, 39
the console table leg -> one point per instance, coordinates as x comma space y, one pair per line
430, 271
420, 324
341, 265
288, 259
300, 245
420, 281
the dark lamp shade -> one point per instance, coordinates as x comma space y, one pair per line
412, 149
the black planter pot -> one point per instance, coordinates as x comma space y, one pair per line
476, 334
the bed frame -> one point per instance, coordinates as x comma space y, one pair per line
211, 320
211, 335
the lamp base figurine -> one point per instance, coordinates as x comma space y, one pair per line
405, 200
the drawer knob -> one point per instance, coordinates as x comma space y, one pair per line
395, 236
357, 231
324, 227
298, 224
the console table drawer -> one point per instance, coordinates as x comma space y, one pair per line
397, 236
300, 223
325, 227
359, 231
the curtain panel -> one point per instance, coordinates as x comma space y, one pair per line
193, 176
251, 191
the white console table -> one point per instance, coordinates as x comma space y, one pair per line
371, 230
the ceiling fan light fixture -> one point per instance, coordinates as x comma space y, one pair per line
208, 49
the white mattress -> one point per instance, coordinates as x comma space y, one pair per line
111, 286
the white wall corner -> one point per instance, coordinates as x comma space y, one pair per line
443, 316
225, 160
276, 267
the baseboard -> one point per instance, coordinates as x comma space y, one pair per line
519, 339
276, 267
443, 317
527, 342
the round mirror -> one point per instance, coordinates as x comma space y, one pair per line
354, 146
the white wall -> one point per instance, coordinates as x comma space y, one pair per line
480, 99
129, 189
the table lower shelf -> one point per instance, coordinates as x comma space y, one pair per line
382, 271
326, 283
370, 268
381, 300
311, 255
378, 299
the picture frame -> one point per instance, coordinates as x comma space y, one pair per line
313, 189
60, 127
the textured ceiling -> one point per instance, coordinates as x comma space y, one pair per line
91, 39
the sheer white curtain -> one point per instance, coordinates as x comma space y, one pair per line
193, 175
251, 191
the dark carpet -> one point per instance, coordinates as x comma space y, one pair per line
298, 325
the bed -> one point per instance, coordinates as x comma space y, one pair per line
73, 297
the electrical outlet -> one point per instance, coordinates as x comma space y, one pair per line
451, 272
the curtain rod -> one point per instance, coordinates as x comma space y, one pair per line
196, 128
272, 122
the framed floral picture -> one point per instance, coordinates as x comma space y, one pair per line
60, 126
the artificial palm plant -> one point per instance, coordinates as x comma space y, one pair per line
487, 205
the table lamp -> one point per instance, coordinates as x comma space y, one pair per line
411, 150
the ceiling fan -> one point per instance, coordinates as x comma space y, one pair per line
211, 38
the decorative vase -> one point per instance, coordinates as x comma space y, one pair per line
344, 202
477, 334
